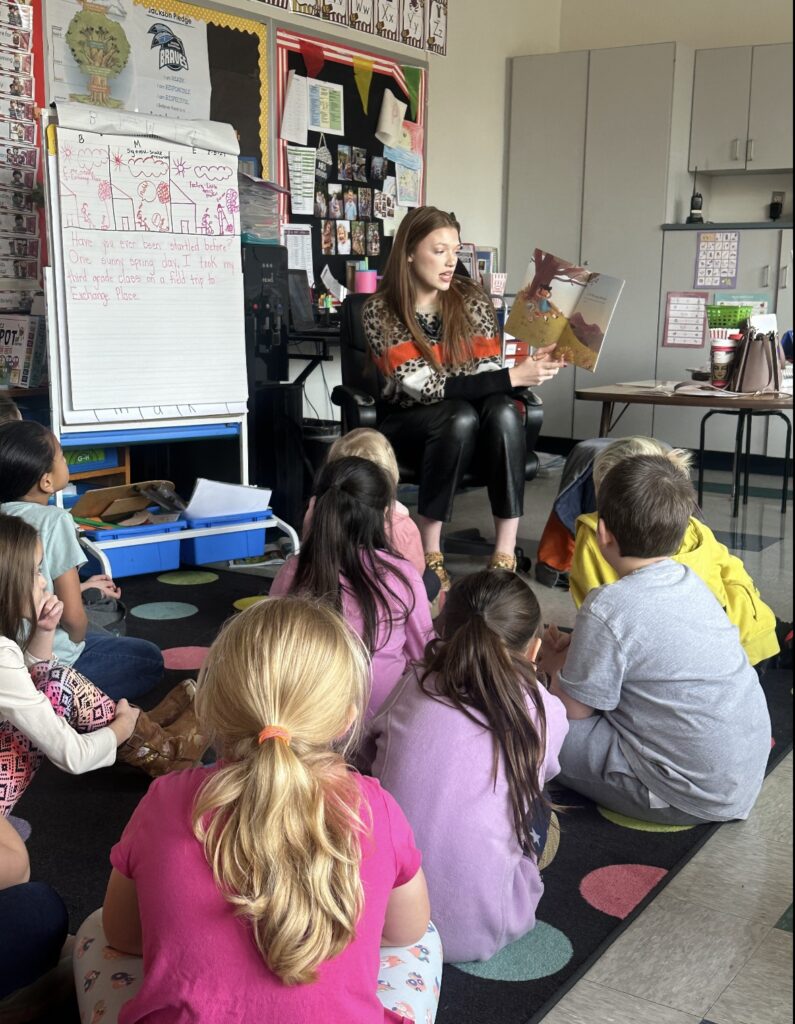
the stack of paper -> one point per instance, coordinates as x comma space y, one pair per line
259, 208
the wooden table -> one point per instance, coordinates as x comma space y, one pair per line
744, 407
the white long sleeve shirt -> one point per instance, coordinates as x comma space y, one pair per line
29, 711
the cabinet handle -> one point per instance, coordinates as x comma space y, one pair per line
749, 151
783, 277
766, 275
735, 149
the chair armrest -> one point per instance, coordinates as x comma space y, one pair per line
534, 416
358, 408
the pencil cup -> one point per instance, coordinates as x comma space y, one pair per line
366, 281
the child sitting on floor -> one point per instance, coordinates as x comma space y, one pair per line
347, 560
723, 572
465, 743
49, 710
32, 470
266, 886
401, 530
108, 590
667, 720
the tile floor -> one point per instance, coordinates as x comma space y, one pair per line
716, 945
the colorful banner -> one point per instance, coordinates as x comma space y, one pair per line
363, 75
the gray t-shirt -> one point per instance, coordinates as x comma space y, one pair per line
62, 551
658, 655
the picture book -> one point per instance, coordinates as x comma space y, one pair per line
566, 305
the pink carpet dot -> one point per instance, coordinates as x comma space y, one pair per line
185, 657
619, 888
772, 743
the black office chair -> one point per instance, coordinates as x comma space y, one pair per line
357, 398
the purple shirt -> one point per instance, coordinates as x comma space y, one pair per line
407, 639
437, 763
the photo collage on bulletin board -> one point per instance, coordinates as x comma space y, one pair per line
356, 189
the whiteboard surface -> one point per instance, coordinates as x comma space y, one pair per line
150, 278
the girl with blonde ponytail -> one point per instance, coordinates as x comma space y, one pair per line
473, 719
264, 887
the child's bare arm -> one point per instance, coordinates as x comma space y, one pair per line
73, 618
574, 708
121, 918
14, 863
407, 913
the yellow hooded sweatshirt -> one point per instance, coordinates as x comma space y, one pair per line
712, 561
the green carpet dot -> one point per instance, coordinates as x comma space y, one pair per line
187, 578
164, 610
543, 951
640, 826
246, 602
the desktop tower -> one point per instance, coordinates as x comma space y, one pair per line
276, 448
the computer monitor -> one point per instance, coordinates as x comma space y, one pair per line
301, 316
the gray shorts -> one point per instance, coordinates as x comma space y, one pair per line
592, 763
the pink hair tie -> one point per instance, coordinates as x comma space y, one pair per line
274, 732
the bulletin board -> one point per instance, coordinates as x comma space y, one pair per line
238, 61
338, 62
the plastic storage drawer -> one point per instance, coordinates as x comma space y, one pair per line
223, 547
154, 556
89, 460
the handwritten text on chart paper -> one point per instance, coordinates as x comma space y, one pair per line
150, 229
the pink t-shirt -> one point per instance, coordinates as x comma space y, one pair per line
401, 530
407, 639
200, 960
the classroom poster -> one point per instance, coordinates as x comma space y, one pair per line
437, 26
326, 107
685, 320
154, 62
716, 259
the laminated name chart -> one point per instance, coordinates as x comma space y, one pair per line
148, 270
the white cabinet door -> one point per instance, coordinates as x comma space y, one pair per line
544, 186
630, 98
770, 120
719, 127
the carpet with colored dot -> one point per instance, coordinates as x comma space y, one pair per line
605, 869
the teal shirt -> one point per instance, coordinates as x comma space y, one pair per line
62, 552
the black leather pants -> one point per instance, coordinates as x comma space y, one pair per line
444, 441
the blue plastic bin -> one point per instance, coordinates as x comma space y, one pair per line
138, 558
85, 460
223, 547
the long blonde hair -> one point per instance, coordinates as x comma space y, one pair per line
280, 821
627, 447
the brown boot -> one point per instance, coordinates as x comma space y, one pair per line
158, 751
174, 703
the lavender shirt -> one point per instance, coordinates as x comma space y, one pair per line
407, 639
437, 763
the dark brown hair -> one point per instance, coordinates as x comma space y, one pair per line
397, 290
646, 504
17, 557
479, 666
27, 451
347, 538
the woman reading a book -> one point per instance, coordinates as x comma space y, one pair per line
446, 402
